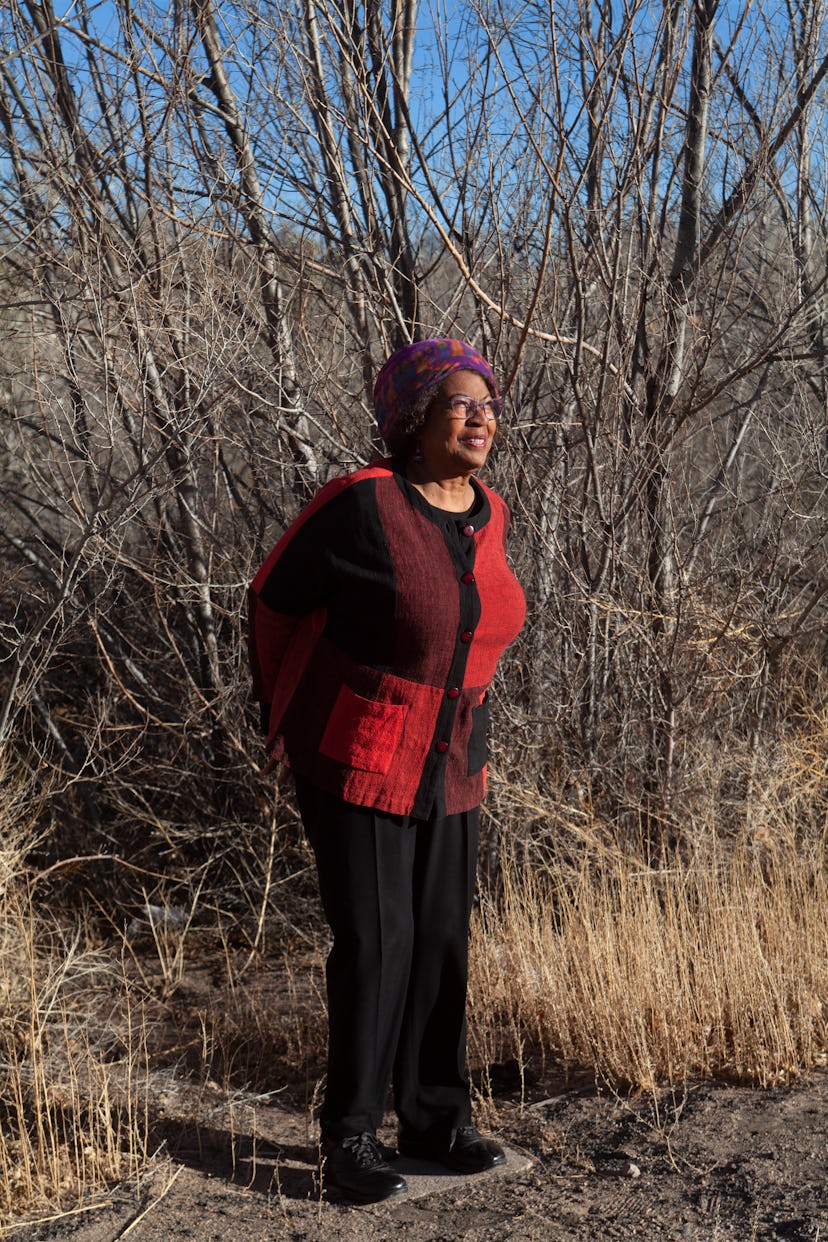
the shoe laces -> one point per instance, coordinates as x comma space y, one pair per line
365, 1149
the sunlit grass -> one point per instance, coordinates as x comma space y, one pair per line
73, 1118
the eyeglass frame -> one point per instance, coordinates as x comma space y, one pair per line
492, 407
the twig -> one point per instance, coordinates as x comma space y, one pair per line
49, 1220
141, 1215
271, 852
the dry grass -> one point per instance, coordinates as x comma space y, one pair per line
73, 1115
267, 1031
715, 965
661, 975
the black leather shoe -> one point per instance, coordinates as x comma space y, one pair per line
357, 1166
464, 1150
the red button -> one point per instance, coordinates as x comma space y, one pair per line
442, 747
466, 636
467, 578
468, 530
453, 693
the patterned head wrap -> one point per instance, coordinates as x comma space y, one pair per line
414, 367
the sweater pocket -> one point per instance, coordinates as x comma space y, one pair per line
479, 739
363, 733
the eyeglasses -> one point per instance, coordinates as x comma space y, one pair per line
463, 408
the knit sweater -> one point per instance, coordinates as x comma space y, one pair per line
376, 624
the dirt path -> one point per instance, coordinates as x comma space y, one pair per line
718, 1162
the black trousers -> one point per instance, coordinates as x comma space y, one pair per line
397, 893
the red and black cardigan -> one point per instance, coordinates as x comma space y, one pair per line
376, 624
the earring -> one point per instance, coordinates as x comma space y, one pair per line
418, 456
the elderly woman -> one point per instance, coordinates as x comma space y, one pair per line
376, 625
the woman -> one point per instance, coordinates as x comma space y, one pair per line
376, 625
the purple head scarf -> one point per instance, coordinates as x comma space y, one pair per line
414, 367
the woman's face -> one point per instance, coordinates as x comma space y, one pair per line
452, 445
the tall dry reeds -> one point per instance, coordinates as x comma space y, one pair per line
720, 967
715, 963
73, 1117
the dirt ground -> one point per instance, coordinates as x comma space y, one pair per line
715, 1162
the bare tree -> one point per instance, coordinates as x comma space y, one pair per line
217, 223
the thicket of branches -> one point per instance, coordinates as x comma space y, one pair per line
217, 223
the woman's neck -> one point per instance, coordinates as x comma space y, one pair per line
454, 494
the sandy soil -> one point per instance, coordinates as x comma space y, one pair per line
716, 1162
